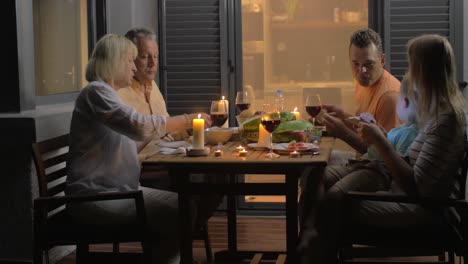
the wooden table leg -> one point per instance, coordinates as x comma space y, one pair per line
185, 222
232, 223
291, 216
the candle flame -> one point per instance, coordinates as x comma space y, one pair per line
222, 98
199, 116
295, 109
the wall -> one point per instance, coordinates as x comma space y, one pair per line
125, 14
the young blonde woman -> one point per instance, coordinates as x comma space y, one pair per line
434, 156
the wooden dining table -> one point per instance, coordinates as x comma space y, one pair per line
180, 167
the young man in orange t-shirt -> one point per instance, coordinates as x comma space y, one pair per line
376, 90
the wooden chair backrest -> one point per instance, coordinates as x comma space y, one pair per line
50, 159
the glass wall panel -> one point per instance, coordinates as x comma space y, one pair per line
60, 45
301, 47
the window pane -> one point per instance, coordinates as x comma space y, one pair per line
301, 47
60, 45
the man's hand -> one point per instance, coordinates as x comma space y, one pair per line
204, 116
335, 111
335, 126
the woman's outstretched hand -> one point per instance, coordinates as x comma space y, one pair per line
371, 134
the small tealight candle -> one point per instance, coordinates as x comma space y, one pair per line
218, 153
296, 113
242, 153
294, 154
240, 147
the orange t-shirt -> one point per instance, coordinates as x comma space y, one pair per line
380, 100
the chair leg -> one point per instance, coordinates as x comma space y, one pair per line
82, 251
147, 251
451, 257
206, 238
38, 256
47, 259
115, 252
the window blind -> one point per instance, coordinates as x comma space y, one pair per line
191, 59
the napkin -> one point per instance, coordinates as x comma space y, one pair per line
149, 150
174, 147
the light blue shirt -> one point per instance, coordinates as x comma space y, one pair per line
400, 138
103, 155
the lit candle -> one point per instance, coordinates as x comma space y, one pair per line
226, 102
294, 154
218, 153
263, 137
243, 153
296, 113
240, 147
198, 132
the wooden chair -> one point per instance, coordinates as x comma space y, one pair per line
54, 226
448, 239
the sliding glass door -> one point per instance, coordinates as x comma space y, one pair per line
300, 47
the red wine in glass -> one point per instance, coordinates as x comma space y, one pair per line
271, 125
313, 110
219, 119
243, 106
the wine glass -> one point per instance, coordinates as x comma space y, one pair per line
219, 114
243, 100
270, 120
313, 105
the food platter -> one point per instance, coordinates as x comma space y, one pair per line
285, 148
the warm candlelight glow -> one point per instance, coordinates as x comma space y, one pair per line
198, 126
243, 153
296, 113
218, 153
263, 137
294, 154
240, 147
222, 98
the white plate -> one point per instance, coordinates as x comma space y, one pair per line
282, 148
256, 147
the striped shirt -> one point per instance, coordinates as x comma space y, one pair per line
436, 154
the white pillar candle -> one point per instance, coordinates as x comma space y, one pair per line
296, 113
198, 132
263, 137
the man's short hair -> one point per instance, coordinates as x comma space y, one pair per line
364, 37
135, 34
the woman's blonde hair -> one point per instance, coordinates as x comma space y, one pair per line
106, 61
432, 69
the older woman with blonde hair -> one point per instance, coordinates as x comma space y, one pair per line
103, 155
434, 156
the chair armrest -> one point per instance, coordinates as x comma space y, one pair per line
402, 198
80, 198
41, 204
